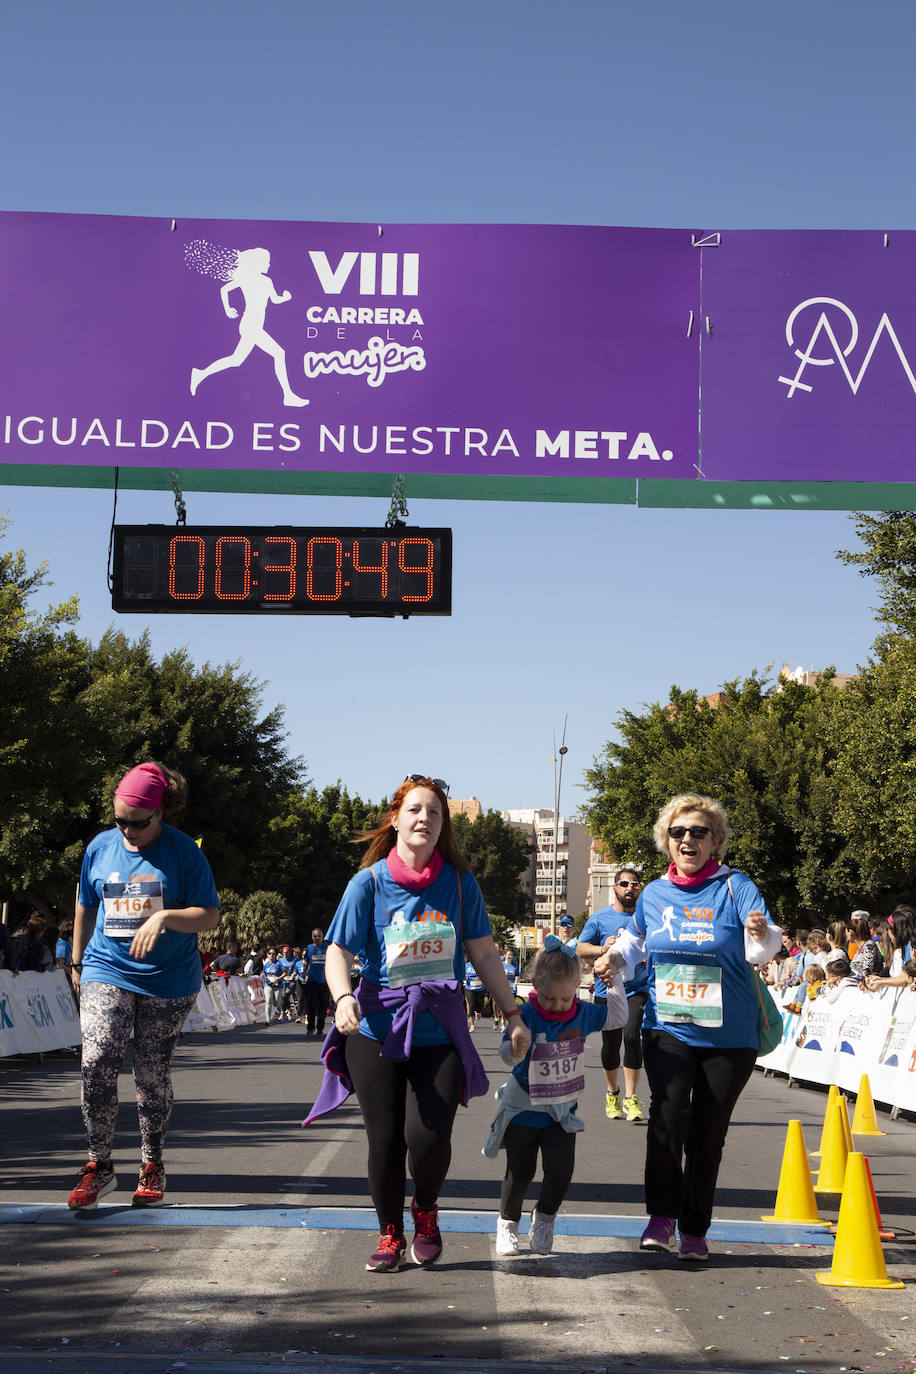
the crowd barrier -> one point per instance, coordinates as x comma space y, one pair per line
38, 1012
226, 1003
861, 1032
827, 1042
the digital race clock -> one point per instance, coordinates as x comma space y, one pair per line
241, 569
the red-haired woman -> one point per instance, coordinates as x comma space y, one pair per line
401, 1040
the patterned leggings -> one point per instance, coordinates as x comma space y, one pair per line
107, 1017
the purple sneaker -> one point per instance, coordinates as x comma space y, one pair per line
427, 1242
389, 1254
693, 1248
658, 1235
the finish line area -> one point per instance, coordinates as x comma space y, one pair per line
739, 1232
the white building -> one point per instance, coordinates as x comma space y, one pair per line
569, 883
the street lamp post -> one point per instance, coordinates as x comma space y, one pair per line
557, 783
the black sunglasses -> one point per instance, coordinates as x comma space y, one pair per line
422, 777
122, 824
696, 832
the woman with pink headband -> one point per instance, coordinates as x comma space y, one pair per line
145, 892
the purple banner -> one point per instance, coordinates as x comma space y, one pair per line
459, 349
809, 361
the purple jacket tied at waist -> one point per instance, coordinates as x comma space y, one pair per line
444, 1001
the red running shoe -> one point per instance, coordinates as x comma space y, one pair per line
96, 1179
389, 1254
151, 1186
427, 1242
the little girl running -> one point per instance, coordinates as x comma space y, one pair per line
537, 1106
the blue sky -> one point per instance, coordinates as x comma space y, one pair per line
710, 116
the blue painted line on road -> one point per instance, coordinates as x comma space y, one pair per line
364, 1219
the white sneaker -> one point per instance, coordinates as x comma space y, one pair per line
506, 1237
540, 1233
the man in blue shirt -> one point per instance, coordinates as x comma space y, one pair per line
601, 929
316, 985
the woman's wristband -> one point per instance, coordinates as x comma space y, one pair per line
341, 998
516, 1011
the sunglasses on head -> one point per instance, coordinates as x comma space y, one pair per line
696, 832
422, 777
123, 824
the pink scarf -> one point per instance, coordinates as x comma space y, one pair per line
709, 870
553, 1015
411, 878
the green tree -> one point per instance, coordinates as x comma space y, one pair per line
265, 919
75, 717
206, 723
761, 749
230, 906
314, 850
46, 709
872, 814
889, 556
497, 854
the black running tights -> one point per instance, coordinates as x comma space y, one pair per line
408, 1108
558, 1155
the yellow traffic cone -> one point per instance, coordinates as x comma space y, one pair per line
795, 1200
865, 1118
833, 1161
847, 1129
858, 1260
832, 1092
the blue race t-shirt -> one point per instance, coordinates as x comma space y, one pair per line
589, 1017
373, 902
700, 987
472, 979
316, 955
124, 886
273, 972
597, 928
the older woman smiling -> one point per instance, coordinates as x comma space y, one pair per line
699, 928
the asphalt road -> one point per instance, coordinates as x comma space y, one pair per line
258, 1261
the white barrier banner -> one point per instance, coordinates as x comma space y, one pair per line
217, 989
898, 1052
203, 1015
38, 1013
221, 1005
871, 1033
258, 997
236, 1001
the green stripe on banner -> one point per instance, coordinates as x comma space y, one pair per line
419, 486
705, 495
653, 494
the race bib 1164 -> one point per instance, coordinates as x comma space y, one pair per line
128, 905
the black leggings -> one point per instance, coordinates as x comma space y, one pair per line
558, 1156
694, 1092
408, 1107
629, 1034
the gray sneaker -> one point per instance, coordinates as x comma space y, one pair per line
506, 1238
540, 1233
